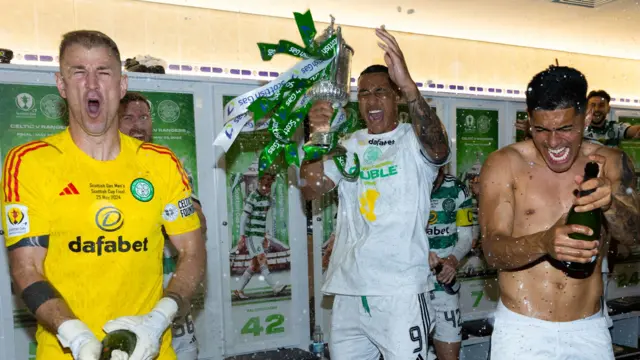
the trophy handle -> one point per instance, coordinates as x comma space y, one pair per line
334, 63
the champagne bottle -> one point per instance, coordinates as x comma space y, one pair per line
123, 340
591, 219
451, 288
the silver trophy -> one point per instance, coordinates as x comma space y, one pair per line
335, 88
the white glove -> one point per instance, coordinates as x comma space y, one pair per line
148, 328
75, 335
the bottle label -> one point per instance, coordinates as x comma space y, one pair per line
318, 348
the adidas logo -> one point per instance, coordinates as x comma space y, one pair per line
70, 189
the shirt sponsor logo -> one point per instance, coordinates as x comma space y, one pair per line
17, 220
186, 207
379, 142
434, 231
109, 219
102, 245
378, 173
433, 217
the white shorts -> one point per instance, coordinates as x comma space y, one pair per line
188, 355
397, 326
521, 337
447, 322
183, 339
255, 246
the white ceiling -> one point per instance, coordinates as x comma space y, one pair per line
611, 30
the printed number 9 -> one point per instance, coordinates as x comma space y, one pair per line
416, 335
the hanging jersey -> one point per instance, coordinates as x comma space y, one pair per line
103, 217
257, 206
451, 206
381, 247
609, 135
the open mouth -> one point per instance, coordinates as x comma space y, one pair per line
559, 155
375, 115
138, 135
93, 107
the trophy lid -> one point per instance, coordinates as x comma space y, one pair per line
327, 33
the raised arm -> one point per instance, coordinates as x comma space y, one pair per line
427, 127
426, 124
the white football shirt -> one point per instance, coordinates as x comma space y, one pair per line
381, 246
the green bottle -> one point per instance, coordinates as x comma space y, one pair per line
123, 340
591, 219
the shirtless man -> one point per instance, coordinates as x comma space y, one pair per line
527, 189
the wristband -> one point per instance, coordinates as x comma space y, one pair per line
37, 294
71, 330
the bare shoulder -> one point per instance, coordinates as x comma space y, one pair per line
508, 157
608, 152
617, 162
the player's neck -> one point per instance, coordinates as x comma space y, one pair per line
102, 148
599, 125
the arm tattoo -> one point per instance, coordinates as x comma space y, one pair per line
628, 178
623, 218
31, 241
429, 130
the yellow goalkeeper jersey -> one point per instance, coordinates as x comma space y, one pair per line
101, 223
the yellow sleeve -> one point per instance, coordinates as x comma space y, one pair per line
176, 195
464, 217
25, 216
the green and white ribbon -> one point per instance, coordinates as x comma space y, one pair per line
283, 101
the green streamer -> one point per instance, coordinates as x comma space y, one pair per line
285, 120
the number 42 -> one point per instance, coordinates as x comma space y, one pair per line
274, 321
